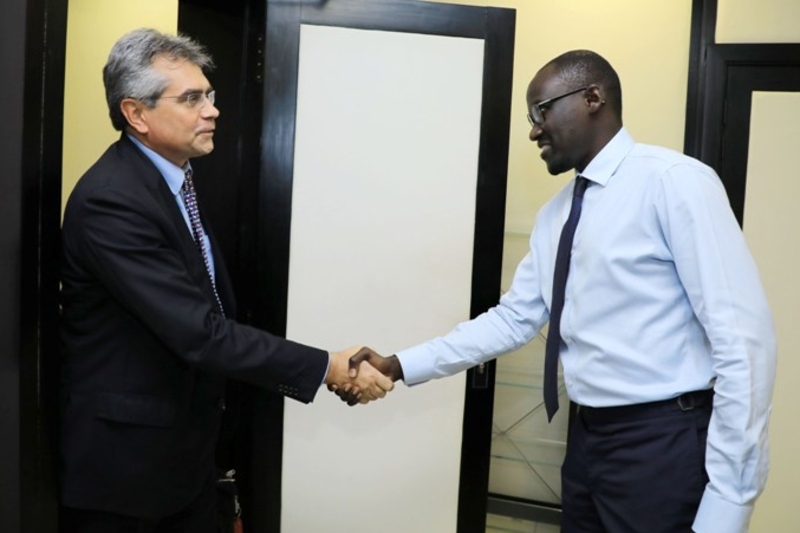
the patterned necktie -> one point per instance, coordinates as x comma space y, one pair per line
190, 201
559, 285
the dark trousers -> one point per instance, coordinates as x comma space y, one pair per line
636, 469
200, 516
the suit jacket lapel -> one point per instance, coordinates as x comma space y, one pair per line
193, 259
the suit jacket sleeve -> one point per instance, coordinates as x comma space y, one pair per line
126, 237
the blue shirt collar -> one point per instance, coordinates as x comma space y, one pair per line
172, 173
605, 163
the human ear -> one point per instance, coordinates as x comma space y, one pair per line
133, 111
594, 98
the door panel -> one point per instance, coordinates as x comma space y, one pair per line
382, 238
431, 259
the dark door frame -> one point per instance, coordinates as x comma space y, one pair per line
256, 45
734, 71
722, 78
496, 27
32, 40
703, 30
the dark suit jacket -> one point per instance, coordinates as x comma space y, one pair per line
146, 350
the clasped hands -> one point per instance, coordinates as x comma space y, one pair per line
361, 375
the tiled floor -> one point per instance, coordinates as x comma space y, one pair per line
504, 524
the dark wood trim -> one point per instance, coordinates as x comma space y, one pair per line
277, 159
12, 67
704, 25
721, 80
399, 16
733, 72
220, 28
476, 444
278, 74
230, 177
260, 472
33, 37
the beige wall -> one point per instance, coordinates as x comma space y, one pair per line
648, 44
92, 28
770, 225
762, 21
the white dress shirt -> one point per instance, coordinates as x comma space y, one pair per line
663, 297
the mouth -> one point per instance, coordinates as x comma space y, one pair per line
546, 150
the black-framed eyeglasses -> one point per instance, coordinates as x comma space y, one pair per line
194, 99
536, 112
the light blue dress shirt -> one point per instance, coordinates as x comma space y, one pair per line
174, 176
663, 297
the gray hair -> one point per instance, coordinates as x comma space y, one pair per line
129, 72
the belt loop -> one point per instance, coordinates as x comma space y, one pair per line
686, 402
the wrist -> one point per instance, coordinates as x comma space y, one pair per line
334, 370
395, 371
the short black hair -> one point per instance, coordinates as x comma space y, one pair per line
584, 67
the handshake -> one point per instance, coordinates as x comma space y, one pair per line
361, 375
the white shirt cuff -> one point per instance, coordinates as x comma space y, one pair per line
716, 515
416, 366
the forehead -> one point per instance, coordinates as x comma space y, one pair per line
545, 84
181, 74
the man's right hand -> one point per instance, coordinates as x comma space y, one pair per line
388, 366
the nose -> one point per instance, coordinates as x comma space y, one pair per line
210, 110
536, 132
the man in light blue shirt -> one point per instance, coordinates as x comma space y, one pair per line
667, 342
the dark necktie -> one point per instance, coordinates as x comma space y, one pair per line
559, 285
190, 201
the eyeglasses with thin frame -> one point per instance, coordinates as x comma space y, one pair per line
194, 99
536, 113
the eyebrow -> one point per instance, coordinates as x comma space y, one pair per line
188, 92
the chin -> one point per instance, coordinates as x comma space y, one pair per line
555, 168
204, 150
557, 165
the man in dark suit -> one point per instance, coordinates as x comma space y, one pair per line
148, 328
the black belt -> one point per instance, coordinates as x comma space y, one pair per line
685, 402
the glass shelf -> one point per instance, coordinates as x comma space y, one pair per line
516, 378
531, 450
527, 451
505, 524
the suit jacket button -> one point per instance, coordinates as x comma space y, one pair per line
221, 404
